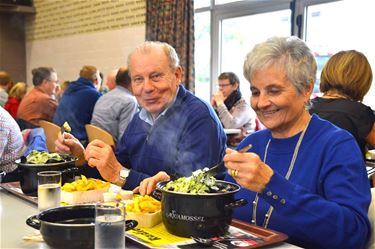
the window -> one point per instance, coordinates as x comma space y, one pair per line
233, 27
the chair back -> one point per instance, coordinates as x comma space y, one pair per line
94, 132
51, 131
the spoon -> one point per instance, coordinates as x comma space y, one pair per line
219, 167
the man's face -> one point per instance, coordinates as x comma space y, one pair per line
50, 85
154, 83
226, 87
111, 80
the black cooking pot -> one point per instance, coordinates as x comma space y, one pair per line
70, 227
199, 215
29, 178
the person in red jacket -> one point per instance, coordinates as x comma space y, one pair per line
16, 93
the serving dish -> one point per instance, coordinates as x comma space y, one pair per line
199, 215
28, 173
146, 220
70, 227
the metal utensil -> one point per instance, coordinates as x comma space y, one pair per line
62, 130
219, 167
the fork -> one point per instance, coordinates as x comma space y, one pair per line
62, 130
218, 167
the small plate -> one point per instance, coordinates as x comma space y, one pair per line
370, 155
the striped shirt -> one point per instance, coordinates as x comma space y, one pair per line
11, 142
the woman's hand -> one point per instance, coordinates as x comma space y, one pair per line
100, 155
218, 98
69, 145
253, 173
149, 184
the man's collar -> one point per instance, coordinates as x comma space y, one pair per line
146, 116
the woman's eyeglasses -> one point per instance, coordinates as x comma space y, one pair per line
224, 85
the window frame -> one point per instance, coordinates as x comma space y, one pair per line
243, 8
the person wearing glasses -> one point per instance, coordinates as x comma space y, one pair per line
234, 112
39, 103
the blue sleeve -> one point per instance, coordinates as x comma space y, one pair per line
336, 217
202, 145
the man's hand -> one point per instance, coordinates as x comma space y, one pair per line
100, 155
149, 184
69, 145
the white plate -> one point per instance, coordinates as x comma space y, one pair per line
232, 131
370, 155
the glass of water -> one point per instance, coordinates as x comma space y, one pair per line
49, 189
109, 227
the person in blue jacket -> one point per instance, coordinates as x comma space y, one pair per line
304, 176
77, 103
174, 133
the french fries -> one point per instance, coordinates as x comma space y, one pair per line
143, 204
85, 184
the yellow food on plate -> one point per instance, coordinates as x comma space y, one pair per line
143, 204
145, 210
84, 191
85, 184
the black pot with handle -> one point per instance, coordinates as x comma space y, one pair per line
29, 178
198, 215
70, 227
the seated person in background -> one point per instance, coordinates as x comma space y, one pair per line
111, 80
16, 94
175, 132
304, 176
11, 142
77, 103
61, 89
233, 111
114, 110
39, 103
345, 80
5, 85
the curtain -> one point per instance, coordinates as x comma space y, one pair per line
172, 21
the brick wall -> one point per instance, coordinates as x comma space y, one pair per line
69, 34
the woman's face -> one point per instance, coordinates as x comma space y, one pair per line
277, 103
226, 87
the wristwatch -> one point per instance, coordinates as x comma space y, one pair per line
124, 173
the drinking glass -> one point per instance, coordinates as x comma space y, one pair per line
109, 227
49, 189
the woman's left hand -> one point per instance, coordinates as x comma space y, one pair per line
219, 98
248, 170
149, 184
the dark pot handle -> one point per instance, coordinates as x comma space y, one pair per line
236, 204
33, 221
130, 224
156, 194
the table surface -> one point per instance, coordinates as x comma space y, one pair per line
14, 212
